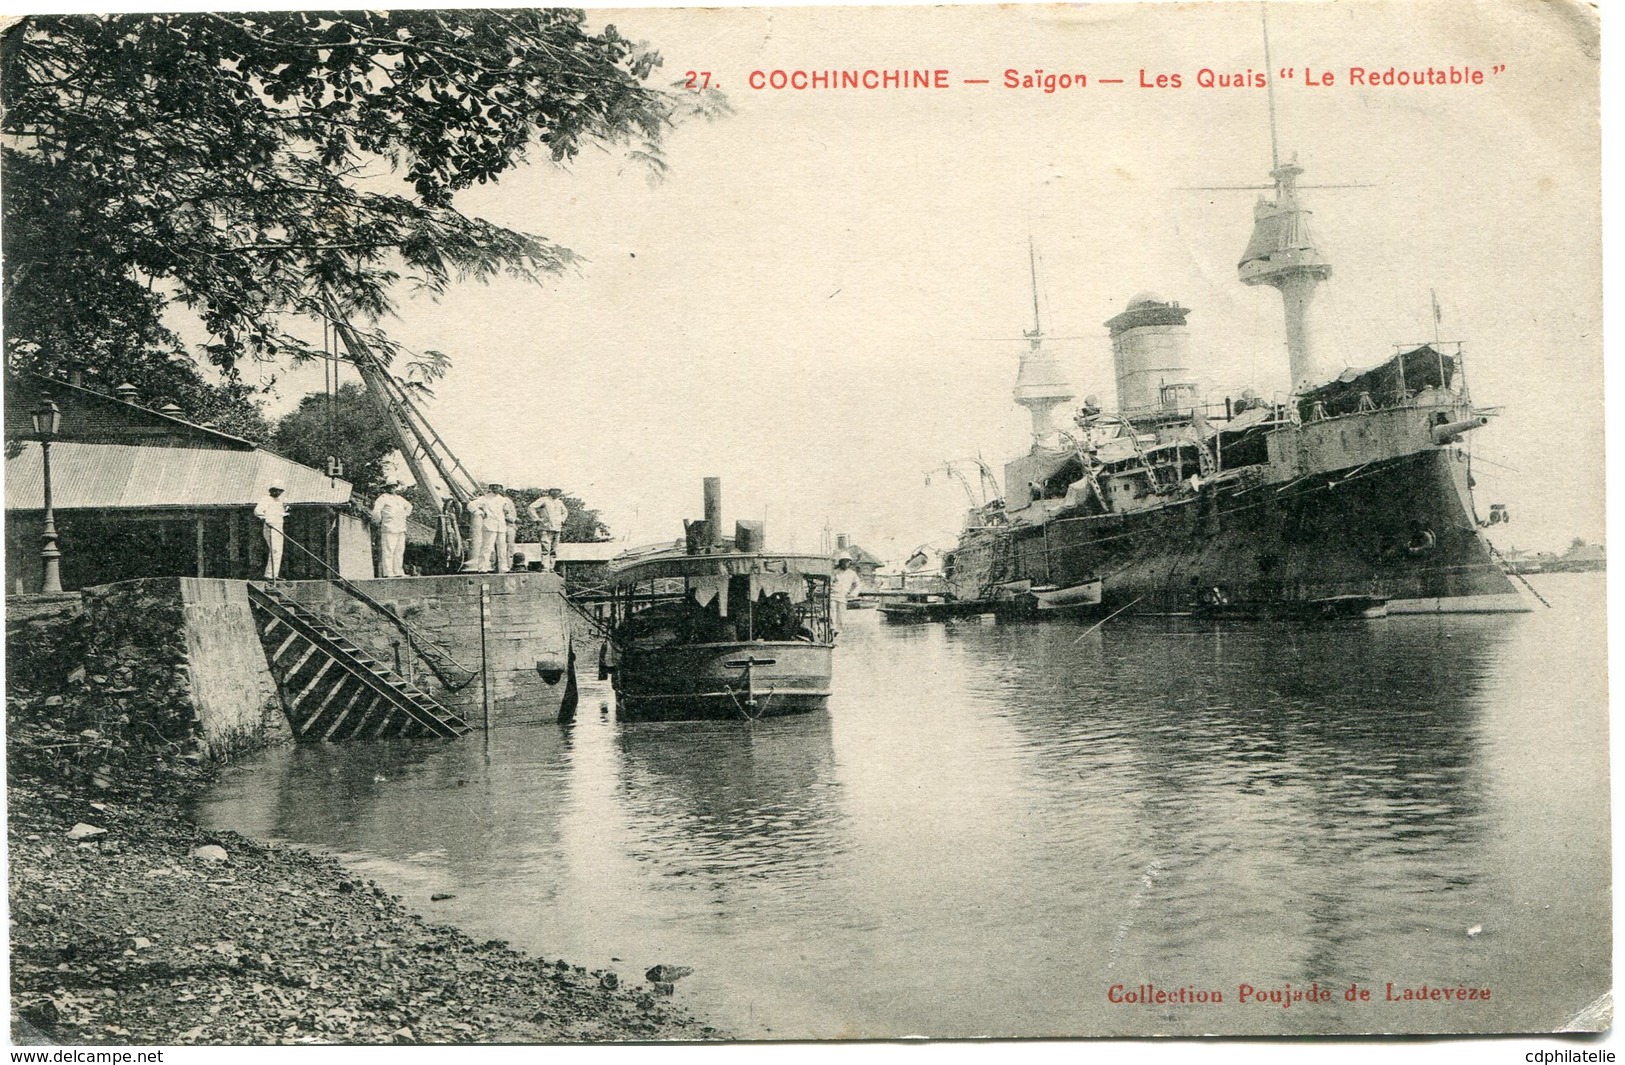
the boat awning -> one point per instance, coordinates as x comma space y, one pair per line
685, 566
1387, 382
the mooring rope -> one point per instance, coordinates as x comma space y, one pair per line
1108, 617
1507, 567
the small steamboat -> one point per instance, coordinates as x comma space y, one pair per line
719, 628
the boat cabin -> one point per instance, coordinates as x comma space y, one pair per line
728, 597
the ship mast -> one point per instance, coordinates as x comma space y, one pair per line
1269, 86
1282, 254
1041, 387
1032, 262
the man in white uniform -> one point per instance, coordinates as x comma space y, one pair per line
843, 586
479, 539
389, 513
502, 519
271, 511
550, 513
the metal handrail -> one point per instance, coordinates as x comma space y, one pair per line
418, 643
430, 717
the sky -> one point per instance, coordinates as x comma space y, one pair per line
823, 299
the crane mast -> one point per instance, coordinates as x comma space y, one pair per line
419, 442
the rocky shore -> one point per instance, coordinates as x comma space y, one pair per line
130, 925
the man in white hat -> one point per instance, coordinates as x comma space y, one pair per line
271, 512
479, 540
491, 520
389, 513
842, 586
504, 518
549, 512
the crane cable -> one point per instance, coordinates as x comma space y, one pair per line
330, 377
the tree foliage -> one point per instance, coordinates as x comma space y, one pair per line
346, 424
229, 406
582, 525
246, 165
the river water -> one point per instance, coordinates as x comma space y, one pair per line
1001, 829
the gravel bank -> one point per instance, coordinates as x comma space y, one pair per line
130, 925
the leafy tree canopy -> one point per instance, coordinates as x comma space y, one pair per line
240, 165
582, 525
346, 424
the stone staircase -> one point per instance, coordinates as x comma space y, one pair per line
333, 690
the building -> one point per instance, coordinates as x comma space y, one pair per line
583, 564
865, 562
144, 493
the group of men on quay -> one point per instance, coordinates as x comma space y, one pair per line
493, 521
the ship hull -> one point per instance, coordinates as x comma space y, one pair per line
710, 680
1401, 531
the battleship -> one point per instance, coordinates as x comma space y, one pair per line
1351, 496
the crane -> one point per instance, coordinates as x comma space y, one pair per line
989, 481
420, 444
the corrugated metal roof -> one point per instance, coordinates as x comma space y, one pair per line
130, 476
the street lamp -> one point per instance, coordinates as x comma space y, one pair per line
47, 423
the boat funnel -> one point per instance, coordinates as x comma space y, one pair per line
750, 536
713, 507
1151, 350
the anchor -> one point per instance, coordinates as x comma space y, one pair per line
749, 665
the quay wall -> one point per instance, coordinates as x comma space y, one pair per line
173, 656
182, 654
233, 691
180, 659
526, 622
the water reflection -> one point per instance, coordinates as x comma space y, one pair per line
1326, 783
993, 824
443, 807
725, 798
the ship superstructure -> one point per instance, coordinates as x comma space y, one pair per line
1356, 490
1041, 386
1282, 254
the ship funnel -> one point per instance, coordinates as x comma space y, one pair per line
713, 508
1151, 353
750, 537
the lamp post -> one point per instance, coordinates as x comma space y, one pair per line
47, 423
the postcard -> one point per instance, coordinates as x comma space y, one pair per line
806, 523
